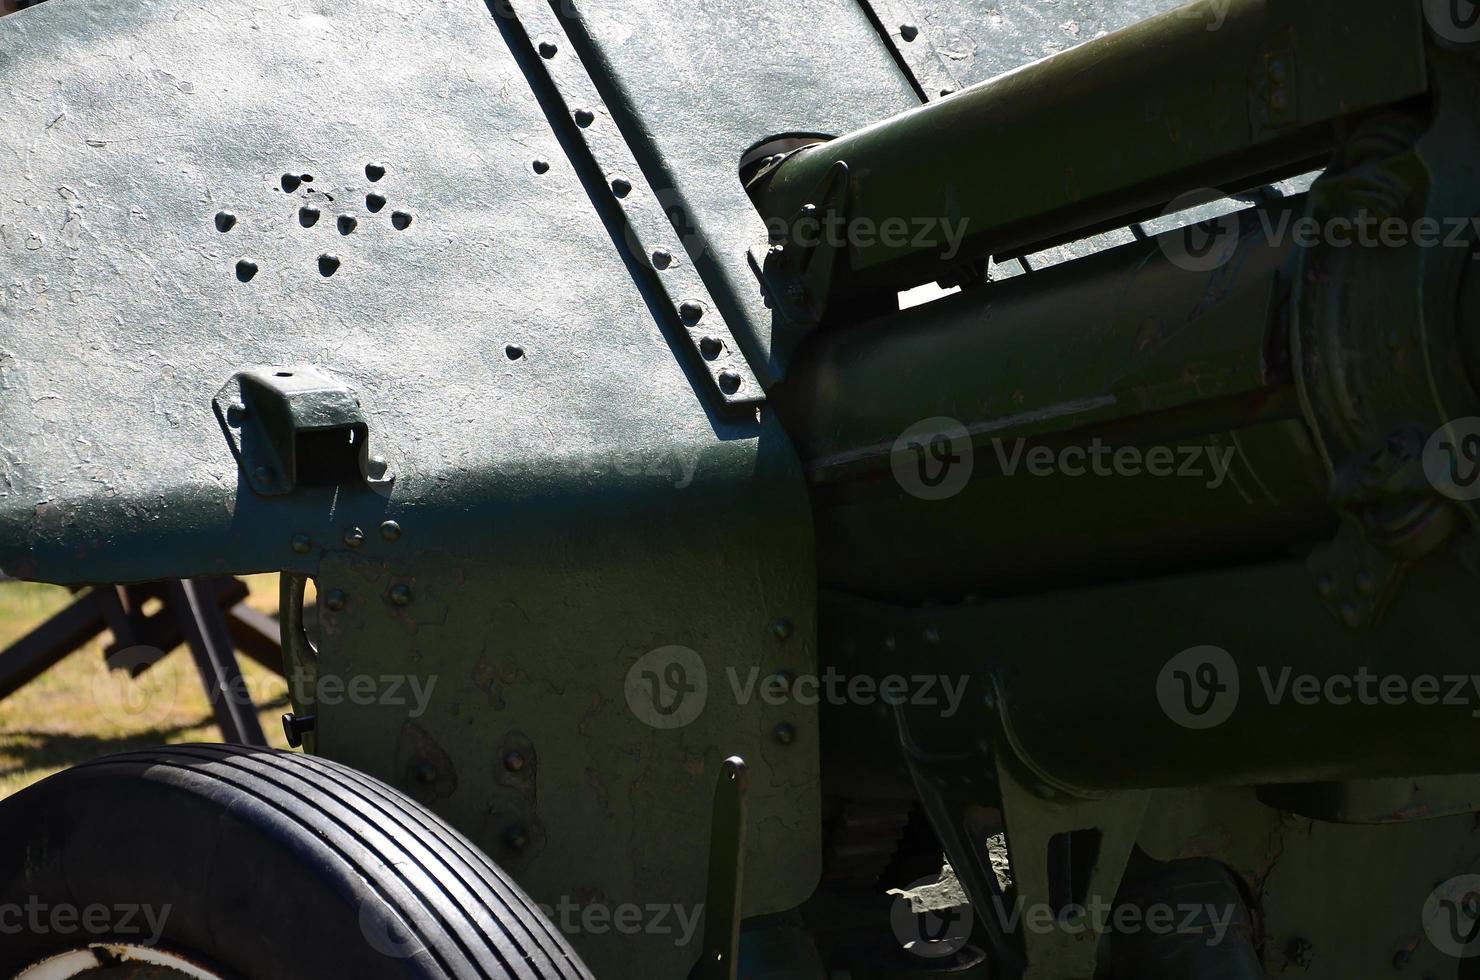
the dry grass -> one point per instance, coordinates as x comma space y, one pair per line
79, 710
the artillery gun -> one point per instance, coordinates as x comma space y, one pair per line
576, 353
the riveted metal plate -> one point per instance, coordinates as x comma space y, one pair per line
656, 242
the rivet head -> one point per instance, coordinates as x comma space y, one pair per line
328, 264
785, 733
1401, 958
513, 760
235, 413
1326, 586
516, 837
932, 635
662, 258
225, 221
425, 771
374, 171
549, 49
729, 382
621, 186
354, 537
1366, 583
334, 600
246, 270
690, 312
400, 594
513, 351
781, 628
541, 166
909, 31
302, 543
585, 117
262, 474
308, 216
390, 530
711, 347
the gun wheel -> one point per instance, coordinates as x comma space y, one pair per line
221, 862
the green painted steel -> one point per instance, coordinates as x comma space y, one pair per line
494, 321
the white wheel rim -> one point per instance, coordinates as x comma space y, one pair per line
66, 965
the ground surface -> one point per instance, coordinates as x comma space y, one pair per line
80, 710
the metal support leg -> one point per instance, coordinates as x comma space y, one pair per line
193, 601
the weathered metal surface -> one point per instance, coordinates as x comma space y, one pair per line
569, 501
504, 227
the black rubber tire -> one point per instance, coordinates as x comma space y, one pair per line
273, 864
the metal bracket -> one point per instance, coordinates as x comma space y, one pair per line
798, 270
654, 231
726, 876
296, 425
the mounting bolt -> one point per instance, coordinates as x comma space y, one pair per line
301, 543
516, 837
390, 530
334, 600
785, 733
296, 726
354, 537
690, 312
513, 760
401, 595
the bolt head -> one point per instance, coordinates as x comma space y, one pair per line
400, 594
301, 543
334, 600
390, 530
354, 537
